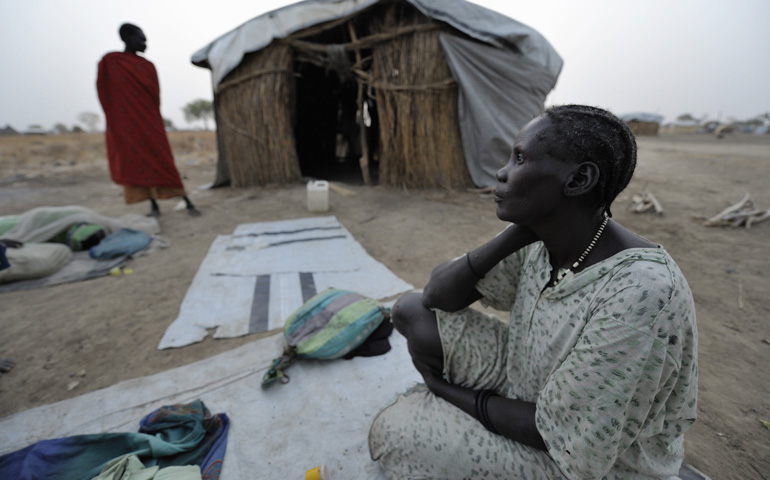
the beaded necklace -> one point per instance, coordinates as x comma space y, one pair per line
563, 271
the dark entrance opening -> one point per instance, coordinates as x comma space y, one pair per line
327, 131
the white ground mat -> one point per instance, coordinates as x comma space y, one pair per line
252, 280
322, 416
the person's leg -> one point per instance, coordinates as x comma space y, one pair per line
418, 325
422, 436
194, 212
154, 208
475, 357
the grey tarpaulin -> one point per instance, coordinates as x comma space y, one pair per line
499, 92
504, 82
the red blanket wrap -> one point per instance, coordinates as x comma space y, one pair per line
137, 145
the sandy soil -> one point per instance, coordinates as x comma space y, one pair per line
75, 338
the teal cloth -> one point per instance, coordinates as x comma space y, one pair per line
173, 435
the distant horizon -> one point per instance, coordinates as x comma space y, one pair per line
703, 58
764, 120
100, 130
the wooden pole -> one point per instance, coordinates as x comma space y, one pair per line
364, 160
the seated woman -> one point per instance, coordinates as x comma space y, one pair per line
595, 373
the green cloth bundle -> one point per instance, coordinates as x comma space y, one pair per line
328, 326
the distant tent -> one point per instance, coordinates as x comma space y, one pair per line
410, 93
642, 123
8, 130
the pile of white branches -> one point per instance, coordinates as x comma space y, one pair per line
743, 213
645, 202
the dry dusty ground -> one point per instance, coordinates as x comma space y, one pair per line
106, 330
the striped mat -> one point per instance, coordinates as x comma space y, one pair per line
252, 280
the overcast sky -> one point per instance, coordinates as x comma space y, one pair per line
707, 58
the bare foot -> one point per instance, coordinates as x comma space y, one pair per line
6, 364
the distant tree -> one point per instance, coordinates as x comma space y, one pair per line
685, 116
60, 128
199, 110
168, 124
77, 129
8, 130
90, 120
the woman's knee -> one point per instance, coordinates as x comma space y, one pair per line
418, 324
405, 310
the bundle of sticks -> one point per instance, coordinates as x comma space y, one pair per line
742, 213
645, 202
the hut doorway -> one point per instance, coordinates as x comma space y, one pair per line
327, 128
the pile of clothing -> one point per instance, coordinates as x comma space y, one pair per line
175, 442
41, 241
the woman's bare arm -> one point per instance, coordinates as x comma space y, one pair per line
513, 419
452, 284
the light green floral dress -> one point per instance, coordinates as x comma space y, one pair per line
609, 356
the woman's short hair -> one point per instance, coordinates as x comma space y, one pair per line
127, 29
590, 134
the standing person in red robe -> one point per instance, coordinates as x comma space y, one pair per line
137, 146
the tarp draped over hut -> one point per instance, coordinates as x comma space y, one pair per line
415, 93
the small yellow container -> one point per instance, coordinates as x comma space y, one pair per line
317, 473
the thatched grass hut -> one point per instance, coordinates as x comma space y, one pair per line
407, 93
643, 129
643, 124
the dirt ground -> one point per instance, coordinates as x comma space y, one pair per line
79, 337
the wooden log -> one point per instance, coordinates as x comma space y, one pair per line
363, 162
645, 203
341, 190
643, 207
742, 214
758, 218
731, 208
655, 203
